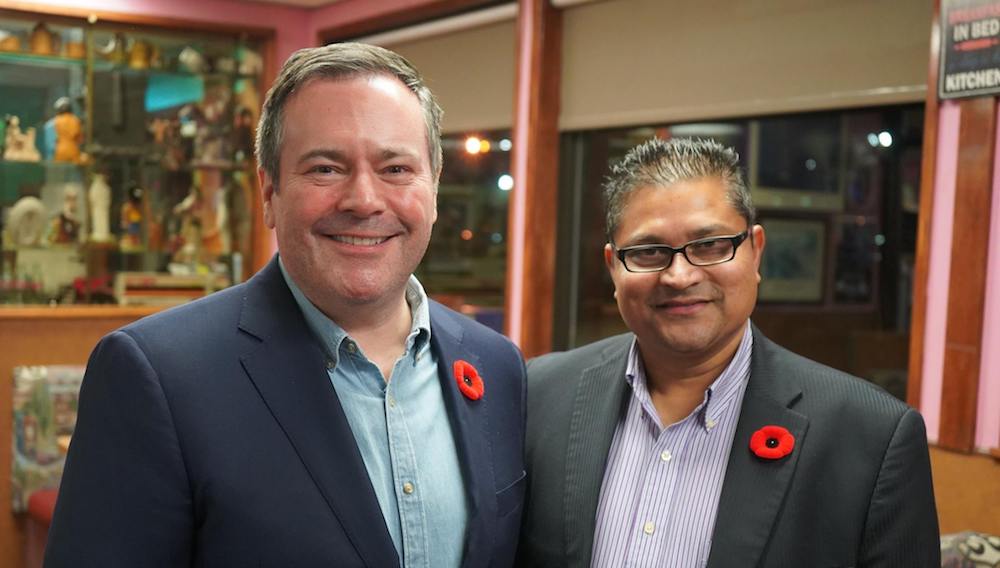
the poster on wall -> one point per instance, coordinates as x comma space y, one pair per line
970, 48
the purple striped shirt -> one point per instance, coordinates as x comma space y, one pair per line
661, 485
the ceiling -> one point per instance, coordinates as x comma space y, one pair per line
299, 3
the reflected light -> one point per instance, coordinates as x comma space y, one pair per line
484, 146
496, 238
810, 164
505, 145
872, 139
885, 139
473, 144
466, 235
505, 182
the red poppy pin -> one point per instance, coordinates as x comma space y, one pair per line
772, 442
468, 379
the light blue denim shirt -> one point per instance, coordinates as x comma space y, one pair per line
402, 429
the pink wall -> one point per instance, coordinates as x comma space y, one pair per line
940, 262
988, 413
353, 11
942, 224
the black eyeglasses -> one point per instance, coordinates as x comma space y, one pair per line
701, 252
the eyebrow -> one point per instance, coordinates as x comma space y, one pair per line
712, 230
339, 156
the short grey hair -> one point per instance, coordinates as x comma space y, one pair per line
340, 61
661, 163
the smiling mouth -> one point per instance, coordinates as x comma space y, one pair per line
359, 241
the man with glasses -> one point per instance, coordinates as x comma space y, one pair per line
694, 440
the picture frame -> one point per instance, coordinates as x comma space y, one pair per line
794, 263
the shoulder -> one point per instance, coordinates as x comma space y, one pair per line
581, 358
825, 390
192, 325
474, 335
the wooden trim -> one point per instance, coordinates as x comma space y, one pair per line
531, 253
967, 287
394, 17
163, 22
922, 260
76, 312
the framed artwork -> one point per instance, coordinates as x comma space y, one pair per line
794, 261
796, 161
45, 402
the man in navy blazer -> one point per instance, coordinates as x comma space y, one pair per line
326, 412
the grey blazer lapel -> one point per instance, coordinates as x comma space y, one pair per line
754, 489
600, 396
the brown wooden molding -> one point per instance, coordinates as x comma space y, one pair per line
63, 13
534, 159
928, 170
967, 287
393, 17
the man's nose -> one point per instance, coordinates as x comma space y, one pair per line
362, 195
681, 273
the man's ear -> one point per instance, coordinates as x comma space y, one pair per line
759, 240
266, 193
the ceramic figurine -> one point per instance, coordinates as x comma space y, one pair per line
131, 221
69, 132
192, 61
42, 41
251, 62
19, 146
66, 225
99, 197
26, 222
139, 55
114, 50
73, 45
9, 41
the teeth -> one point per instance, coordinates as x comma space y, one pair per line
361, 241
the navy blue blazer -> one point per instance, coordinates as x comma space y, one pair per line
209, 435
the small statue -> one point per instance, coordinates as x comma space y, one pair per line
99, 196
66, 225
250, 62
114, 50
26, 222
19, 146
131, 221
69, 132
139, 55
42, 41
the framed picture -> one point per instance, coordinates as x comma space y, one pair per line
794, 259
796, 163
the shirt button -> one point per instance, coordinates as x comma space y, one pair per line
330, 364
392, 402
649, 527
710, 424
408, 488
665, 456
351, 347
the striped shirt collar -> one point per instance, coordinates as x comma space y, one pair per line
332, 336
718, 395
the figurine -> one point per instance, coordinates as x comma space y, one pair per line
26, 222
192, 61
66, 225
203, 215
99, 196
114, 50
69, 132
42, 41
131, 221
250, 62
243, 134
139, 55
19, 146
9, 41
73, 43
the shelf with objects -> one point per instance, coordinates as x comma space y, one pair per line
126, 161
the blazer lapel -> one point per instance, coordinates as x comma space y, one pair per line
600, 396
289, 371
754, 489
470, 426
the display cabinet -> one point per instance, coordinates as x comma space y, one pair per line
126, 161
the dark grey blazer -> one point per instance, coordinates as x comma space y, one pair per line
856, 491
